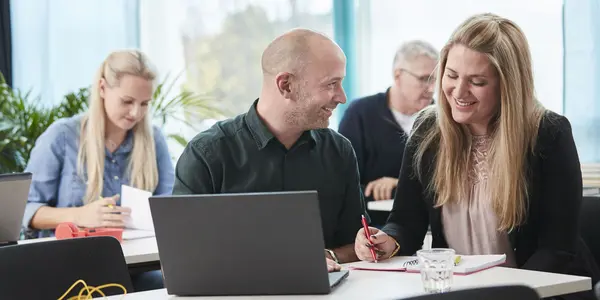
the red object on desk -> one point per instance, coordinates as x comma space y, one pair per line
70, 230
368, 235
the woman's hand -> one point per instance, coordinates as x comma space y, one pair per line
102, 213
383, 244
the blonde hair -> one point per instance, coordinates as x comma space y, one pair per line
514, 128
142, 167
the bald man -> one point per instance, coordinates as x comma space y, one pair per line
283, 144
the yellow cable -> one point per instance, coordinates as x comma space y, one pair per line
90, 290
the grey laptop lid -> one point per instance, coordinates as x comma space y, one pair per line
14, 191
242, 244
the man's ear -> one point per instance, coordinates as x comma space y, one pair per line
397, 74
284, 84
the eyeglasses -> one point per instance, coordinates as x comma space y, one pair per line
425, 79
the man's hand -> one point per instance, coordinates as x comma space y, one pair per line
332, 266
381, 188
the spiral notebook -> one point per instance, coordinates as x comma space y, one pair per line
468, 264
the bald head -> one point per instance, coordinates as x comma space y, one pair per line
302, 80
294, 50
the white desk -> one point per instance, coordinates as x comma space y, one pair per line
136, 251
382, 205
389, 285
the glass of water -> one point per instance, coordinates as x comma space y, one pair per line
437, 267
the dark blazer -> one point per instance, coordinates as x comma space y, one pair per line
377, 139
547, 241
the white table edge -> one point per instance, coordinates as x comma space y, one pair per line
581, 285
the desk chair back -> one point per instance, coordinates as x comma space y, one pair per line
46, 270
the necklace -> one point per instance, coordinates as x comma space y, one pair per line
112, 146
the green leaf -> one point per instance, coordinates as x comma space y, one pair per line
179, 139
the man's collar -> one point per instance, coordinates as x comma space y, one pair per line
262, 135
258, 129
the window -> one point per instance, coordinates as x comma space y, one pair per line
218, 44
215, 45
384, 25
59, 44
582, 73
223, 42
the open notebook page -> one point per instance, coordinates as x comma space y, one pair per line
399, 263
467, 265
471, 263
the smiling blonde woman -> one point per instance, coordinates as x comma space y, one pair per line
488, 168
80, 163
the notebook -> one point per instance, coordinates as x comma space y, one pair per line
468, 264
137, 200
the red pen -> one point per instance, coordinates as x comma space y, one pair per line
368, 235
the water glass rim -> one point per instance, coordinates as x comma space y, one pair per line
436, 251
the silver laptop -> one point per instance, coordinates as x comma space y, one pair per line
242, 244
14, 191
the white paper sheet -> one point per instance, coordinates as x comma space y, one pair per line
137, 200
132, 234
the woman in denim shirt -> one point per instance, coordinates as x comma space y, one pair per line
80, 163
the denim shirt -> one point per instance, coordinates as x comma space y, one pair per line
56, 182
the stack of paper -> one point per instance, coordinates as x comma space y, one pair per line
468, 264
140, 223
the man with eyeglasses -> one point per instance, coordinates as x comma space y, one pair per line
378, 125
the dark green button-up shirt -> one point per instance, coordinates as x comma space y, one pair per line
241, 155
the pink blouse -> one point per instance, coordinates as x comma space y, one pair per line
471, 227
